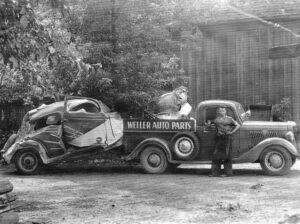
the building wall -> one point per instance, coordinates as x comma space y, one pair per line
234, 64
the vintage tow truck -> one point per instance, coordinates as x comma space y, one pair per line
160, 144
80, 126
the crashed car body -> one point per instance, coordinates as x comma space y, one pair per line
52, 133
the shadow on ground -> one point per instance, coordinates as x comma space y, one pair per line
130, 169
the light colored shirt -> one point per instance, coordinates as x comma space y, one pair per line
224, 125
185, 109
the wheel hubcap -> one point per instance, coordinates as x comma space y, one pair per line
185, 146
29, 162
154, 160
276, 161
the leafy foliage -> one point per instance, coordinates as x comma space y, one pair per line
22, 43
282, 111
123, 52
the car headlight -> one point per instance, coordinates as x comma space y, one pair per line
296, 129
290, 136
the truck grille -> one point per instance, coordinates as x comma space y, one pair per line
258, 136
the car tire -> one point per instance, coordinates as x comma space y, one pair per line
154, 160
276, 161
27, 162
185, 146
294, 159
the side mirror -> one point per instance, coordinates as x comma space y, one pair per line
53, 119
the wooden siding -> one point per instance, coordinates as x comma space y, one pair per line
234, 64
12, 116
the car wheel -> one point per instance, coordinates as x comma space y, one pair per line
276, 161
185, 147
154, 160
294, 160
27, 162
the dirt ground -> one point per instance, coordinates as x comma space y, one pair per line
94, 194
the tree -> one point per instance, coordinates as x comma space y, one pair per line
131, 41
23, 42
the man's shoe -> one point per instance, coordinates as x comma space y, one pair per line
226, 175
214, 175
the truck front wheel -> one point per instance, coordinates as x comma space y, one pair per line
154, 160
27, 162
276, 161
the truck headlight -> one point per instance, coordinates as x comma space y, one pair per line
296, 129
290, 136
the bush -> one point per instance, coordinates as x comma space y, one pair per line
4, 135
281, 111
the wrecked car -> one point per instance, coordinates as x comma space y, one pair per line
52, 133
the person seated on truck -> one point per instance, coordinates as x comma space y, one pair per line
225, 127
174, 105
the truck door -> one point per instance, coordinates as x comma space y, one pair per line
207, 134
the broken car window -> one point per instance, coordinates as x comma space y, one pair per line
53, 119
86, 107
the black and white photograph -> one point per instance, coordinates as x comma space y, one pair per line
149, 111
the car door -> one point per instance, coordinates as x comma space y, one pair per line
207, 134
84, 123
47, 130
236, 136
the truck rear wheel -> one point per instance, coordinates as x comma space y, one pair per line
154, 160
27, 162
276, 161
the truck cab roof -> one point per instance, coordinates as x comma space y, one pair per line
218, 102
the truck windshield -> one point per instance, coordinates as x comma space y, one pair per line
240, 110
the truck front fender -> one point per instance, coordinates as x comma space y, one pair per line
254, 154
163, 144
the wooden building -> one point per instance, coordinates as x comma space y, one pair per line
247, 60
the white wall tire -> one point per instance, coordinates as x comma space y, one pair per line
154, 160
276, 161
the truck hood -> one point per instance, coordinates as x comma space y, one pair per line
268, 125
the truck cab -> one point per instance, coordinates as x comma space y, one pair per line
272, 144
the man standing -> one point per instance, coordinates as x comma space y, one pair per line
225, 126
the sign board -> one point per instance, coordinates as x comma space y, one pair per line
138, 125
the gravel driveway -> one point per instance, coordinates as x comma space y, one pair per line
73, 194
